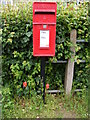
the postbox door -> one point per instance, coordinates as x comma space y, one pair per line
44, 40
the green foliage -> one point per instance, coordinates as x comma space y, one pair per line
57, 106
76, 102
7, 101
18, 63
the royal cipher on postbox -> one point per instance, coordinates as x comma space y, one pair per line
44, 28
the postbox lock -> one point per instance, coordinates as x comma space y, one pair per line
44, 26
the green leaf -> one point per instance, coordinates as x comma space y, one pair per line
29, 34
26, 39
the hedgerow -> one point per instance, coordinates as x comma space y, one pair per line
18, 63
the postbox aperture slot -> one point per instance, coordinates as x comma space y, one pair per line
44, 11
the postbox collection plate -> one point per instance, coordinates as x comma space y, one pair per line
44, 28
44, 38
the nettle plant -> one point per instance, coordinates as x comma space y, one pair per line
18, 62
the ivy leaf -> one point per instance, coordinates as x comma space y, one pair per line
29, 34
26, 39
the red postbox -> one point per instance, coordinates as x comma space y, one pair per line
44, 28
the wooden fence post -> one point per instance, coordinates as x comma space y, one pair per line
70, 65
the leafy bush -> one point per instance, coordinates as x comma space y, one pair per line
18, 63
7, 101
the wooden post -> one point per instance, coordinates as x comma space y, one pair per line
70, 65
